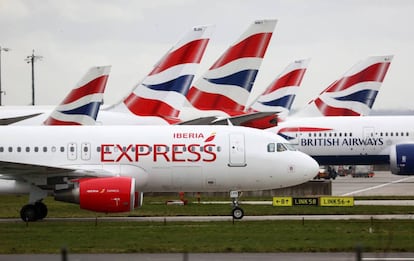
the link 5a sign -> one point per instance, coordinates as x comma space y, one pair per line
305, 201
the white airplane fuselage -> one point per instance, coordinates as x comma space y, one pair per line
160, 158
354, 140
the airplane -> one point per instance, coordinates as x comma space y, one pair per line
354, 93
354, 140
108, 168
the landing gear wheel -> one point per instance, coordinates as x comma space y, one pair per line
237, 213
28, 213
41, 210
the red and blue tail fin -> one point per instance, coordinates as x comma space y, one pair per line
354, 93
82, 105
162, 92
227, 84
280, 94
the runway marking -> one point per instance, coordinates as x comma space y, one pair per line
378, 186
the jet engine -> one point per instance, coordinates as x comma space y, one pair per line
402, 159
113, 194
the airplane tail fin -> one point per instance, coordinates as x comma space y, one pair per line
227, 84
162, 92
82, 105
354, 93
280, 94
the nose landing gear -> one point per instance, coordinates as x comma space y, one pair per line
237, 211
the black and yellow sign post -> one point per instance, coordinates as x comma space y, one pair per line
327, 201
336, 201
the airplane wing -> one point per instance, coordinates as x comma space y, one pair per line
200, 121
8, 121
258, 120
23, 171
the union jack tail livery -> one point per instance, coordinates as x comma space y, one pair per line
82, 104
227, 84
280, 94
354, 93
162, 92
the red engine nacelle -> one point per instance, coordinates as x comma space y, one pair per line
114, 194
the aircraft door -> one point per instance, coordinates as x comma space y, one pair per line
85, 151
369, 137
72, 151
237, 157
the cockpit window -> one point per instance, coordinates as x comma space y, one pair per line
281, 147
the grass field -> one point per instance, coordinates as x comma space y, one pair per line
149, 237
242, 236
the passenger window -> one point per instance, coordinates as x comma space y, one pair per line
19, 149
27, 149
36, 149
271, 147
10, 149
218, 148
44, 149
1, 149
62, 149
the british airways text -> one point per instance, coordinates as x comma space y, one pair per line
328, 142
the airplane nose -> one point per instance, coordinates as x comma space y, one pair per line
306, 168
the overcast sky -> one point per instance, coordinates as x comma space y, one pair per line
133, 35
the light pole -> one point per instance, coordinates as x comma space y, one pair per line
31, 59
6, 50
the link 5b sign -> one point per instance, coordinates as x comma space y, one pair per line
336, 201
327, 201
